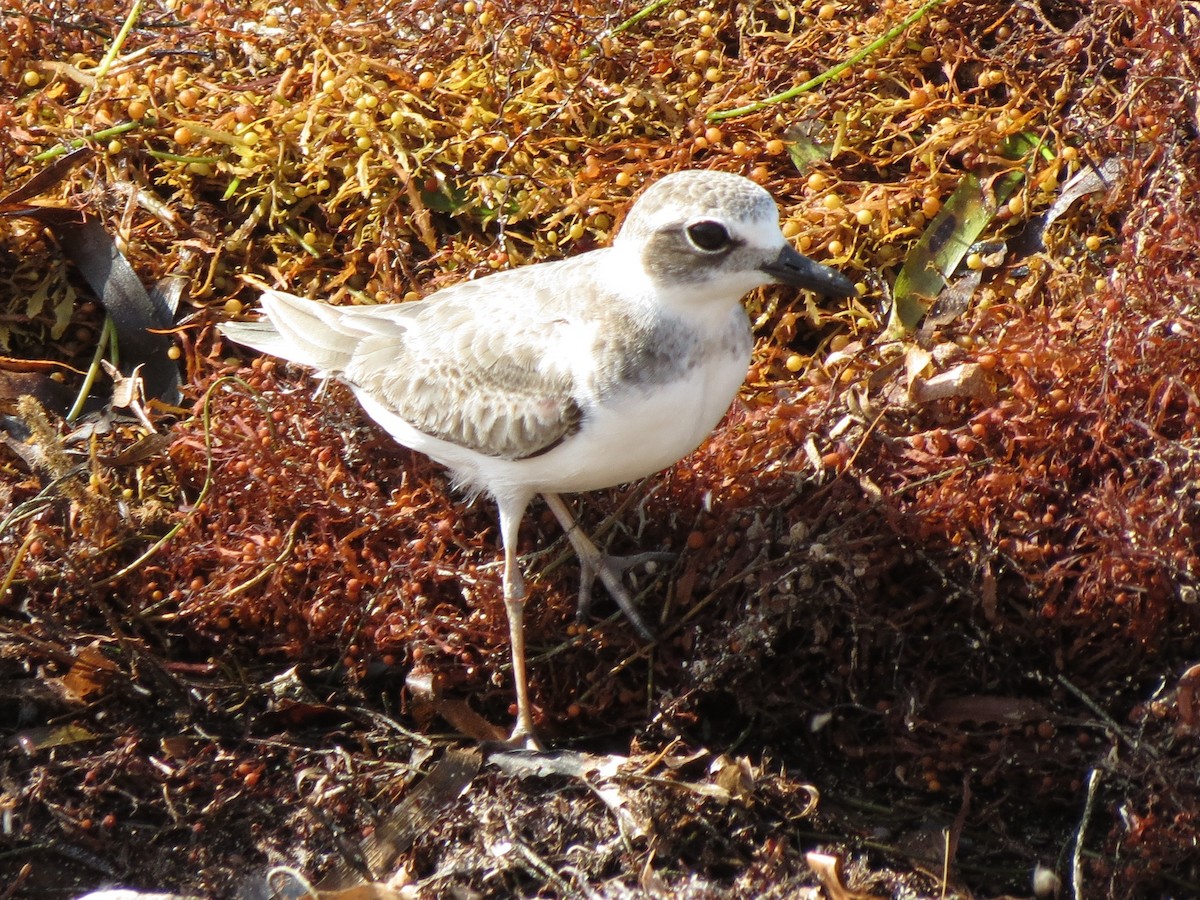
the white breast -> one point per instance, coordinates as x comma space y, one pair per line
637, 433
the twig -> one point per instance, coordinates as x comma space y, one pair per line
1093, 783
535, 863
829, 74
1108, 720
16, 564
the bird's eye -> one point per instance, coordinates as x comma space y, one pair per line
708, 236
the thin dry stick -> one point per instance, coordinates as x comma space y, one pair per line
1093, 783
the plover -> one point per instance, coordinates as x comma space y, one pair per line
564, 376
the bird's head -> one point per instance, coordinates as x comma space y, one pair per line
713, 236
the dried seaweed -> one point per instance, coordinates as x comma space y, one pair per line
950, 578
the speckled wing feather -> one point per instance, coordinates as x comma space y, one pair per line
471, 372
468, 365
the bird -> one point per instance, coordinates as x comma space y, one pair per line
564, 376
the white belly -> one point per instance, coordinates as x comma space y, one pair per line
636, 434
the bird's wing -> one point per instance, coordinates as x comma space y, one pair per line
485, 365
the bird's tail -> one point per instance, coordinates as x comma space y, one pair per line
303, 331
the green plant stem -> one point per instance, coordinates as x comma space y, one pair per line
108, 335
793, 92
101, 70
76, 143
648, 10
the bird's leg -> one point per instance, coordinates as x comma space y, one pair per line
593, 561
523, 733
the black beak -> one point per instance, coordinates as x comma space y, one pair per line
790, 267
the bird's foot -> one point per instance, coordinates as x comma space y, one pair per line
523, 737
611, 571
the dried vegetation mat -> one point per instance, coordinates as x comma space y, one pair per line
933, 624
